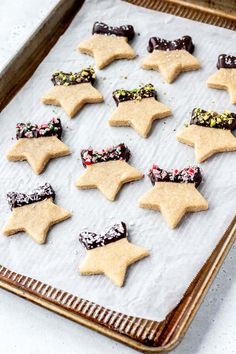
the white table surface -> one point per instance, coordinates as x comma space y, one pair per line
28, 329
19, 19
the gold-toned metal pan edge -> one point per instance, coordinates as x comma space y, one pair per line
192, 11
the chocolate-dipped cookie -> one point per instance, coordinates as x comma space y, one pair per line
72, 91
110, 253
34, 213
170, 57
174, 193
225, 76
209, 133
107, 170
138, 108
38, 144
108, 43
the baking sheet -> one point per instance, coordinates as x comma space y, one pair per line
156, 284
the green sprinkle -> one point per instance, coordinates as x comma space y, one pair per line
212, 123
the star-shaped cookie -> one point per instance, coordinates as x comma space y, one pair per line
110, 253
72, 91
225, 77
138, 109
34, 213
206, 135
108, 44
107, 170
170, 58
38, 144
174, 194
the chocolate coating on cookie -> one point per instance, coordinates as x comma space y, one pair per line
156, 43
29, 130
118, 152
186, 175
91, 240
226, 62
60, 78
120, 31
146, 91
210, 119
16, 199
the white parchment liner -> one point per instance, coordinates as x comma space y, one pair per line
154, 285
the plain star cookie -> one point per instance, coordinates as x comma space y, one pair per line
72, 91
38, 144
34, 213
209, 133
107, 170
108, 43
138, 109
110, 253
225, 77
174, 193
170, 58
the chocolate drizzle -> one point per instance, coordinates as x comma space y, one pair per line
60, 78
90, 240
226, 61
146, 91
210, 119
16, 199
118, 152
120, 31
186, 175
29, 130
156, 43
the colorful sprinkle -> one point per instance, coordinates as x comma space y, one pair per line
186, 175
138, 94
29, 130
92, 240
211, 119
59, 78
16, 199
118, 152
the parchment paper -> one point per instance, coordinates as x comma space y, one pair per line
156, 284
